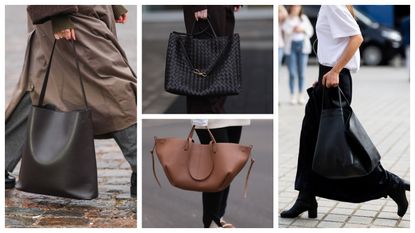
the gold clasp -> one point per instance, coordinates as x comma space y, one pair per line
200, 73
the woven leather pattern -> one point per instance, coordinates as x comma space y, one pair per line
203, 67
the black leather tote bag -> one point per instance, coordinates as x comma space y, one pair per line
343, 149
203, 67
58, 158
359, 141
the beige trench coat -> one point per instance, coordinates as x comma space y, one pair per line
110, 84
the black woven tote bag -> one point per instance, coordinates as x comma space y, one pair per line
203, 67
58, 158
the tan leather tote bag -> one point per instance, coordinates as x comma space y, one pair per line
198, 167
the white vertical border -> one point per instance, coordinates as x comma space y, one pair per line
275, 114
139, 117
411, 113
2, 104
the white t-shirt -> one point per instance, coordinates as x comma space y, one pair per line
334, 26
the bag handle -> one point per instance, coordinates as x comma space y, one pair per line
340, 95
204, 30
190, 139
46, 79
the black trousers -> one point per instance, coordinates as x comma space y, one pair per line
370, 187
214, 204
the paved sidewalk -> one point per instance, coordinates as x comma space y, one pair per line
381, 101
114, 207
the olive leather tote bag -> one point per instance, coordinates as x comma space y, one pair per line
197, 66
201, 167
58, 157
343, 149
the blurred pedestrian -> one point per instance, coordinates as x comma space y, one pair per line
297, 31
282, 15
110, 83
339, 39
406, 41
214, 204
223, 22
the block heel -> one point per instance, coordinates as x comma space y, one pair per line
312, 213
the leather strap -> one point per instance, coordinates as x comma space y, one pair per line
248, 173
46, 79
79, 74
204, 30
190, 138
340, 94
153, 163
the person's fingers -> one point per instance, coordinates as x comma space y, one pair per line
73, 34
67, 34
56, 36
60, 35
201, 14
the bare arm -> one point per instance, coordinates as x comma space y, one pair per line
331, 78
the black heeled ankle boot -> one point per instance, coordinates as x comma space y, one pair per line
133, 187
397, 191
10, 181
304, 202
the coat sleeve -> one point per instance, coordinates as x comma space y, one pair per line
118, 10
196, 8
42, 13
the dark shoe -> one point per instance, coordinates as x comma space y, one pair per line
397, 191
302, 204
10, 181
133, 188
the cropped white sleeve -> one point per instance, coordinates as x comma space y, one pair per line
342, 23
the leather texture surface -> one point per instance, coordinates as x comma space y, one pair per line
59, 156
343, 149
199, 167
